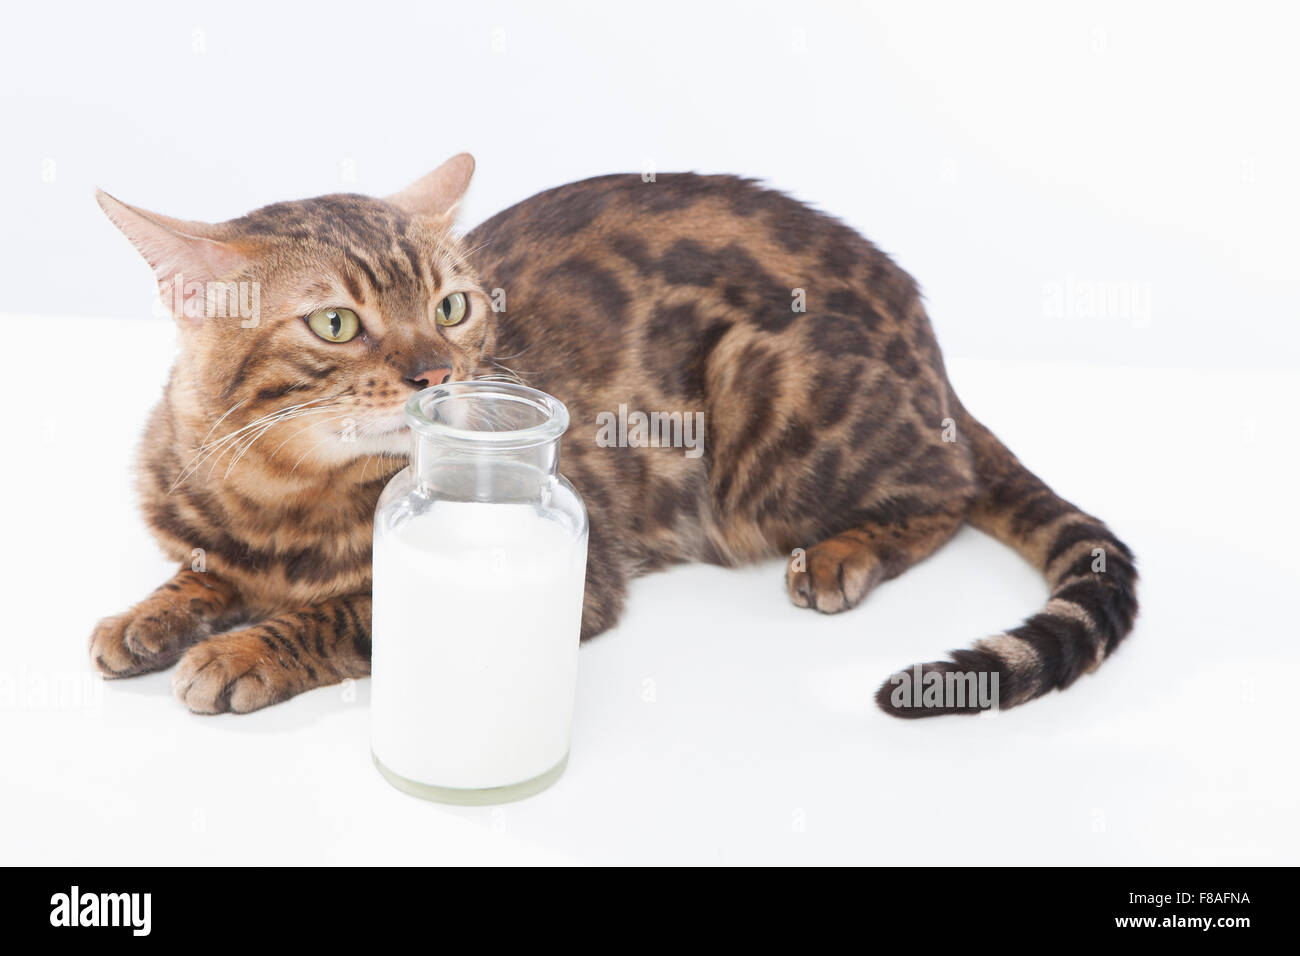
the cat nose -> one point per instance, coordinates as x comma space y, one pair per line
430, 378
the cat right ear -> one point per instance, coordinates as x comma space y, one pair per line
181, 253
438, 194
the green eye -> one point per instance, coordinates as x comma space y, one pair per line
335, 325
452, 310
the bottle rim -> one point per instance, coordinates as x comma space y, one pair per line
419, 408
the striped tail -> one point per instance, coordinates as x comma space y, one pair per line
1093, 600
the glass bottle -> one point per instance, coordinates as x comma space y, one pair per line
480, 550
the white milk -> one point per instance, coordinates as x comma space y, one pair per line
476, 614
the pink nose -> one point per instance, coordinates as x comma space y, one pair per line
432, 377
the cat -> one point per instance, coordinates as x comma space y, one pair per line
834, 438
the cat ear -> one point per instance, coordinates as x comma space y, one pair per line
438, 194
178, 251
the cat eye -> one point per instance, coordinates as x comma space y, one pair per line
335, 325
452, 310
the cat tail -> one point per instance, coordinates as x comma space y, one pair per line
1093, 603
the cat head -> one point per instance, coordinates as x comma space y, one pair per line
321, 316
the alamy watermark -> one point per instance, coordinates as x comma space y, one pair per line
77, 908
637, 429
944, 690
33, 690
1076, 298
212, 300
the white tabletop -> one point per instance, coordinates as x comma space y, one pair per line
717, 723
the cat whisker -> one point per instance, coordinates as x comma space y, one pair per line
242, 441
379, 454
313, 447
254, 429
252, 441
263, 418
217, 450
506, 374
206, 448
223, 417
299, 432
461, 256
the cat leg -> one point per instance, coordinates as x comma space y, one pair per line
838, 573
279, 657
156, 631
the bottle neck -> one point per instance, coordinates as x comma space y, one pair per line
460, 471
485, 440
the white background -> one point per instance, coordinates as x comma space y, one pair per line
1001, 154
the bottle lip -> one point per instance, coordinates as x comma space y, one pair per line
419, 408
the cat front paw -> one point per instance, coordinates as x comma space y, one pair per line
154, 633
229, 674
133, 643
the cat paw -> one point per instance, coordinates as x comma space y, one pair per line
129, 644
830, 578
230, 674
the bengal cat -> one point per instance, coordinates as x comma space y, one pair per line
833, 436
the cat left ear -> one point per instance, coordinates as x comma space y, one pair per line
178, 250
438, 194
